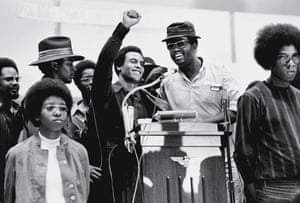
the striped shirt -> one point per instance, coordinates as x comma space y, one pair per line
268, 133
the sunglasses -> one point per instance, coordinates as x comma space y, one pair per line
179, 44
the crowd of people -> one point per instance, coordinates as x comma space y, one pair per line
56, 150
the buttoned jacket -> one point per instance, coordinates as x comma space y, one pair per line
26, 168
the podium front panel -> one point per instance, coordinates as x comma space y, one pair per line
184, 166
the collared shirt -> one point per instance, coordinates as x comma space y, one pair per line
134, 100
26, 169
268, 133
204, 93
10, 125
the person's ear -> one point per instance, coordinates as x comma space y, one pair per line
55, 66
37, 121
118, 69
195, 45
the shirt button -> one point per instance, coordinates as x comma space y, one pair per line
73, 197
71, 185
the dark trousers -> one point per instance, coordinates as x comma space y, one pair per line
120, 168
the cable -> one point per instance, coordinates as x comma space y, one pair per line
138, 173
128, 129
141, 157
124, 107
110, 173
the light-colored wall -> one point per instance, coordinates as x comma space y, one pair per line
227, 37
278, 7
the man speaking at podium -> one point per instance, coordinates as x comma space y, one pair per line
197, 85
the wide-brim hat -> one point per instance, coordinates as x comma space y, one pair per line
55, 48
180, 29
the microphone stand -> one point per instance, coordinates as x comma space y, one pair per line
128, 126
227, 133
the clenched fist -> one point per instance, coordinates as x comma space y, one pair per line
130, 18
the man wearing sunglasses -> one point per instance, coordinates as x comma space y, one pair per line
200, 85
197, 85
10, 121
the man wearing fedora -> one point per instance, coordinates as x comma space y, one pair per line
56, 58
197, 85
55, 61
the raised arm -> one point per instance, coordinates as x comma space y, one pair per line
101, 89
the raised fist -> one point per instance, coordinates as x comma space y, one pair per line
130, 18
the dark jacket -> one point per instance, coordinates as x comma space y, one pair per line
106, 109
10, 126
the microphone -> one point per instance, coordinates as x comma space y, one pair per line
225, 103
128, 112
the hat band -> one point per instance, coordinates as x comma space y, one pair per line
55, 52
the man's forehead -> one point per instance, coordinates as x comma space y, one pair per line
134, 55
8, 70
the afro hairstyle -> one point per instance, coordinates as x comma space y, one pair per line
271, 39
39, 92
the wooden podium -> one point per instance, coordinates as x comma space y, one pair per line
183, 162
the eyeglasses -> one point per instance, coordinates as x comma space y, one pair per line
10, 78
86, 79
179, 44
285, 59
54, 108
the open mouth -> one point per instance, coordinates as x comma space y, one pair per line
136, 71
178, 56
14, 90
291, 73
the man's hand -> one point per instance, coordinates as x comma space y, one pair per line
95, 172
130, 18
130, 142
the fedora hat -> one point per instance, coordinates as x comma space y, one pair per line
54, 48
180, 29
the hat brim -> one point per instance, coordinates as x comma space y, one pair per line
177, 36
151, 65
71, 57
